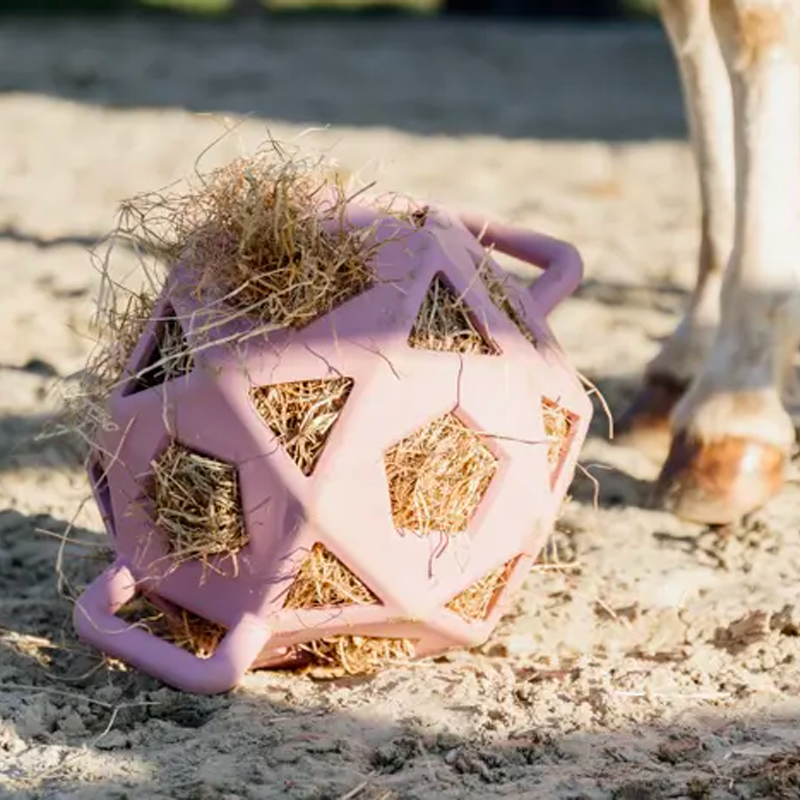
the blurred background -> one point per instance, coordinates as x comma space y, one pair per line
566, 9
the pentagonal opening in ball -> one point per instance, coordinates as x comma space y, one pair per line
323, 581
445, 323
168, 356
478, 600
302, 414
196, 504
438, 476
505, 292
559, 427
102, 494
173, 624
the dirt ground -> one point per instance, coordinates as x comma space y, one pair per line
660, 660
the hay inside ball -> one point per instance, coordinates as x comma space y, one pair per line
504, 297
558, 425
302, 414
324, 581
437, 477
179, 627
475, 602
197, 505
337, 656
445, 323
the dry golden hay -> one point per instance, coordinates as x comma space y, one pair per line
437, 477
184, 629
445, 323
501, 296
171, 356
474, 603
336, 656
266, 237
197, 505
323, 581
558, 424
267, 234
302, 414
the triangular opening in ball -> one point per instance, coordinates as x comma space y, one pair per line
559, 425
445, 323
302, 414
168, 357
102, 493
323, 581
173, 624
505, 292
477, 601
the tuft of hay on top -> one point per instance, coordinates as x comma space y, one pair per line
501, 296
337, 656
182, 628
437, 477
267, 234
324, 581
558, 423
197, 505
266, 238
302, 414
474, 603
445, 323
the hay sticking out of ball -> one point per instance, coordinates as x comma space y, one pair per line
475, 602
302, 414
266, 238
324, 581
558, 424
197, 505
337, 656
445, 323
502, 296
182, 628
438, 476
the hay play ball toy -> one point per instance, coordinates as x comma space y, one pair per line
333, 435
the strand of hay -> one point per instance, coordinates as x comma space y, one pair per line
186, 630
558, 424
501, 296
301, 414
444, 323
324, 581
438, 476
197, 505
474, 602
337, 656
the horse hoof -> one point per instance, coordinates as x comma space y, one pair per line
718, 482
645, 424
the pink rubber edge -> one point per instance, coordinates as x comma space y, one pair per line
95, 621
561, 261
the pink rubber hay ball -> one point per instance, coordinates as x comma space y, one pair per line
349, 446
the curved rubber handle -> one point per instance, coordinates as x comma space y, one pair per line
561, 261
95, 621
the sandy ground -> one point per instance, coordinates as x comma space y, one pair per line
661, 659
